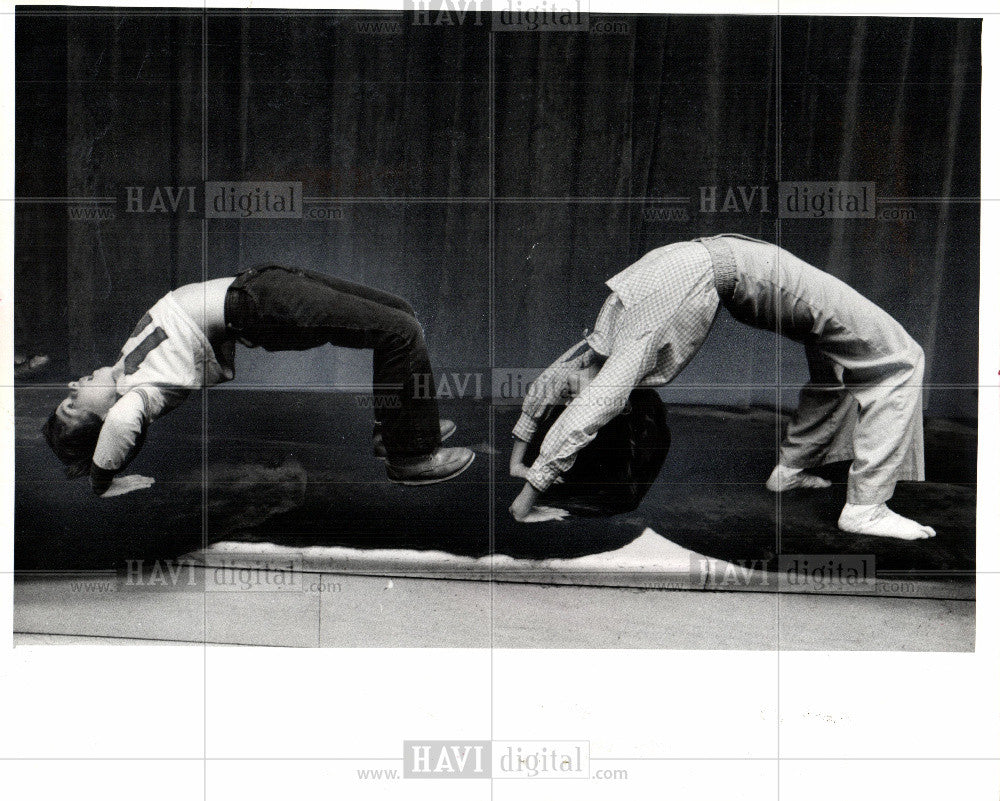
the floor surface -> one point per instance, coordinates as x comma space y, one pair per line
366, 611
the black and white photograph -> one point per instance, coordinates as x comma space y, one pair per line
526, 392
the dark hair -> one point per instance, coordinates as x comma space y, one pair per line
612, 474
73, 444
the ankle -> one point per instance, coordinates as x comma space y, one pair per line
784, 471
862, 511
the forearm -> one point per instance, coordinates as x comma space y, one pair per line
563, 443
524, 502
119, 437
553, 386
517, 456
604, 398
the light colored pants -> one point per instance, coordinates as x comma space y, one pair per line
864, 395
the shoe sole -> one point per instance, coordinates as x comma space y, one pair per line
443, 438
419, 482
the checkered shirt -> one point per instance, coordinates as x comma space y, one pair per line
657, 317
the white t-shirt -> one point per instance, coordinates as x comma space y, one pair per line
166, 356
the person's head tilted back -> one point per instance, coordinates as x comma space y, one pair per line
75, 424
74, 442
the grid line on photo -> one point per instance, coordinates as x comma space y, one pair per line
492, 201
592, 759
204, 405
389, 200
778, 67
492, 502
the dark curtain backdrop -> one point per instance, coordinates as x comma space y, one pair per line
585, 127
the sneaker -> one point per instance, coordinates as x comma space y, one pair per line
378, 446
25, 367
443, 464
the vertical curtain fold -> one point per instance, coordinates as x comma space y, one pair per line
670, 106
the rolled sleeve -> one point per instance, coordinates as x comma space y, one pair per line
550, 388
525, 428
542, 476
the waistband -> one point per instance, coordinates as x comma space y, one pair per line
243, 295
246, 276
239, 306
723, 265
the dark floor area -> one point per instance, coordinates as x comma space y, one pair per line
295, 468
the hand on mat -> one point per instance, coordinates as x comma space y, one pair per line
524, 509
524, 502
122, 484
544, 514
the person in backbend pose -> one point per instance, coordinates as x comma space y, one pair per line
187, 341
863, 400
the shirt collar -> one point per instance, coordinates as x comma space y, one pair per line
627, 287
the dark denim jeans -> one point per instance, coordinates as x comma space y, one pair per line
282, 308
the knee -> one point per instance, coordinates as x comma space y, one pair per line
405, 332
397, 303
412, 330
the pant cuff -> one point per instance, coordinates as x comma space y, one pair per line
805, 462
868, 497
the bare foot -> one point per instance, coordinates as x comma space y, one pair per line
878, 520
786, 478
